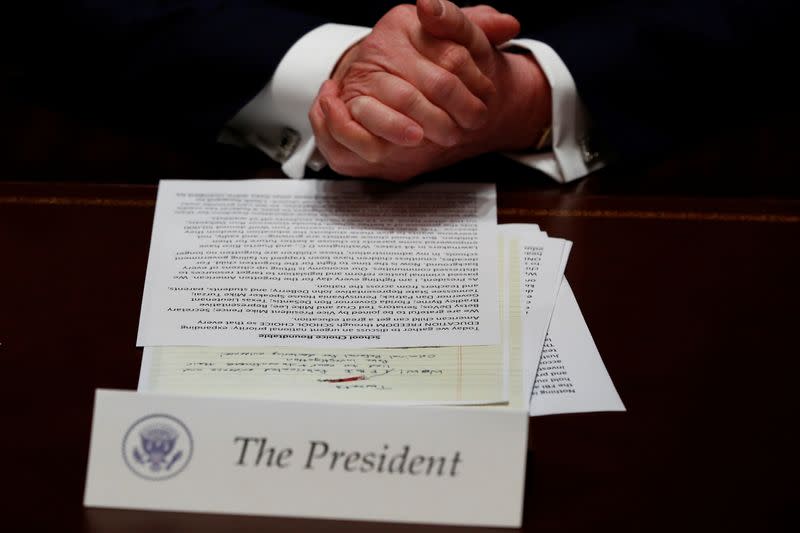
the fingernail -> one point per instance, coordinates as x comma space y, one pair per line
438, 8
413, 134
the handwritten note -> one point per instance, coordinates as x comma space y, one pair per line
464, 375
449, 375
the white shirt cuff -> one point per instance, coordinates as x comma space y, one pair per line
276, 120
569, 158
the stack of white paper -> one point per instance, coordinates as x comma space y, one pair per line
564, 372
354, 291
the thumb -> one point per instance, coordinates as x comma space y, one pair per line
498, 27
445, 20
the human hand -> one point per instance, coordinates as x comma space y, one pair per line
403, 74
382, 141
399, 71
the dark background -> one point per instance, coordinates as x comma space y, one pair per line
50, 131
685, 268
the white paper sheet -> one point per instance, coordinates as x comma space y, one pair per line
321, 263
571, 377
543, 260
459, 375
542, 263
512, 322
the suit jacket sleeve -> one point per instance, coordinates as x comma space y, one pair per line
653, 74
164, 65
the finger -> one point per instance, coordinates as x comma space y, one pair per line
440, 87
445, 20
344, 161
339, 158
456, 59
350, 133
383, 121
498, 27
342, 129
445, 90
404, 98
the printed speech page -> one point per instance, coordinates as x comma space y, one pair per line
321, 264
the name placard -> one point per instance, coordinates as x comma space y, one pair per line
442, 465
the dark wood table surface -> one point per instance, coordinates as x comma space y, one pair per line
692, 298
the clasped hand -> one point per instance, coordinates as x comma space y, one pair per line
426, 88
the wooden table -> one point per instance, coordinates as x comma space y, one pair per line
691, 298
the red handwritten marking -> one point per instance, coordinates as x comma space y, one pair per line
344, 380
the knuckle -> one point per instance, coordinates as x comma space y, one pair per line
361, 70
356, 106
440, 128
454, 58
397, 17
486, 86
371, 45
409, 98
403, 10
358, 80
454, 136
477, 115
443, 84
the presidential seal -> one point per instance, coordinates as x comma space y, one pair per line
157, 447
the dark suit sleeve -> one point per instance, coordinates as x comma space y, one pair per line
653, 74
165, 66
